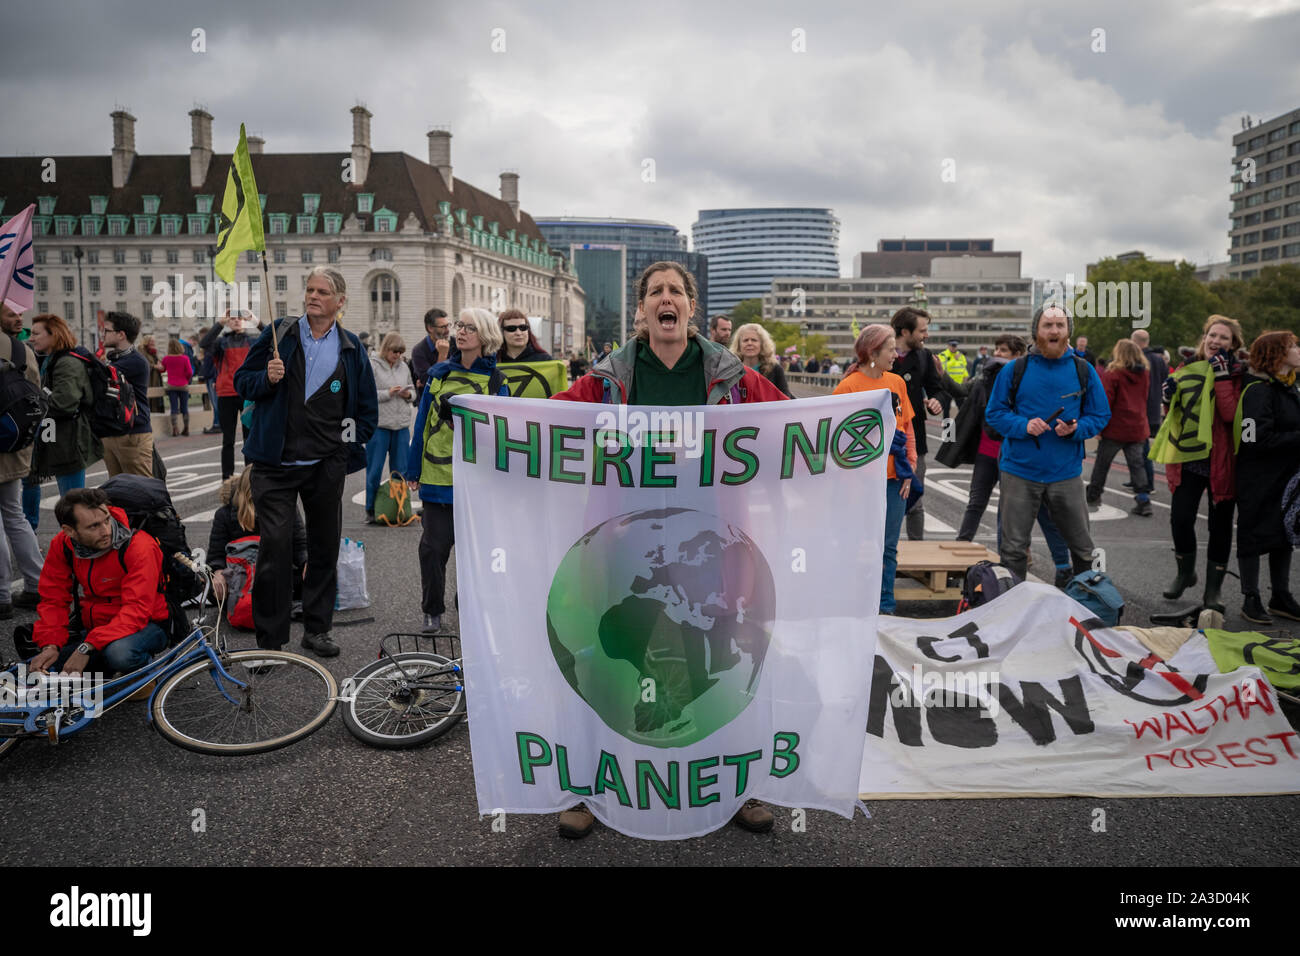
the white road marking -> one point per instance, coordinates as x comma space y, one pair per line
1104, 513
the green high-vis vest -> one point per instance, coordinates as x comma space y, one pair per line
436, 441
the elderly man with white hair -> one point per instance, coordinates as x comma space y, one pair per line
316, 407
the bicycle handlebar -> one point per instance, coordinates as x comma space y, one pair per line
184, 559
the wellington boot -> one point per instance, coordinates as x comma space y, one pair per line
1186, 575
185, 430
176, 426
1214, 574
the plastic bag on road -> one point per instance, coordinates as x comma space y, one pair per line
352, 576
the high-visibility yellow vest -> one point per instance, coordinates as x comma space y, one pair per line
435, 468
954, 363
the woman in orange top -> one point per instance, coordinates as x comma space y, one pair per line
875, 352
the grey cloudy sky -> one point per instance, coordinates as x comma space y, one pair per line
1064, 153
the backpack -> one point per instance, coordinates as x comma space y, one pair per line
23, 406
112, 410
393, 503
1081, 367
1291, 510
149, 508
241, 561
1095, 591
985, 582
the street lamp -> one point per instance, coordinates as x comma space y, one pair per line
918, 295
79, 253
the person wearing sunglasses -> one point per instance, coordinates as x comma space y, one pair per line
470, 368
519, 343
396, 393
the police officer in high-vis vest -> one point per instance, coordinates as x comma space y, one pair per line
954, 364
470, 368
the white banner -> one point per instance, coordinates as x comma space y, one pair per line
665, 612
1062, 707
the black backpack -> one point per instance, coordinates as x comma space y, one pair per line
1018, 367
1081, 367
112, 411
23, 406
984, 582
148, 508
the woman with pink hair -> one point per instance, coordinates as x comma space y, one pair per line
875, 352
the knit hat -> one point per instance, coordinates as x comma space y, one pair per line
1033, 325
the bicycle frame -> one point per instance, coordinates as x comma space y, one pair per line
391, 645
54, 722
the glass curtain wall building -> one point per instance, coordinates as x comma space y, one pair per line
748, 248
595, 244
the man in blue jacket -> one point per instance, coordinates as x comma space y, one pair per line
1058, 404
316, 409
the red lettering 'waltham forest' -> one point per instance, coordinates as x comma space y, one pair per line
1183, 720
1185, 759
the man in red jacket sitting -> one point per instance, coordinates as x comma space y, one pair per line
668, 362
123, 611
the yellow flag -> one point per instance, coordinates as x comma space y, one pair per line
853, 328
241, 211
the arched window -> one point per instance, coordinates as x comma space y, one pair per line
457, 295
383, 303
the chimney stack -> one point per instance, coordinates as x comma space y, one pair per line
440, 154
255, 145
200, 146
510, 192
360, 144
123, 146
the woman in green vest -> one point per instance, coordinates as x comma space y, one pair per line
1195, 445
470, 368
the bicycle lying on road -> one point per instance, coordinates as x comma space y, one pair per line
408, 696
201, 696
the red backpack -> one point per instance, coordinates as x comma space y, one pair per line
241, 561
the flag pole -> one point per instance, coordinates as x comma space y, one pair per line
266, 301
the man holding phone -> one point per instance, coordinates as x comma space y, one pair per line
1045, 415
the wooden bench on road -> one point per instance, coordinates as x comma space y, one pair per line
924, 567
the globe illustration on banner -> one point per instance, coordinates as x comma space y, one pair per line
660, 621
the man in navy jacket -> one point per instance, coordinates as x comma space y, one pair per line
316, 407
1043, 430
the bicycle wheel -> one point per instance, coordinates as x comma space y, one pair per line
404, 700
287, 697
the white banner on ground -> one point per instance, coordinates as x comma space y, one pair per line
1062, 707
665, 612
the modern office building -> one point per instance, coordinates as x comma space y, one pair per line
595, 244
1265, 228
973, 296
1212, 271
405, 234
748, 248
900, 257
602, 270
564, 231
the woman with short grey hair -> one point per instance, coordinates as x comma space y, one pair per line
476, 339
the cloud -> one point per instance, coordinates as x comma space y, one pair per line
1060, 151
